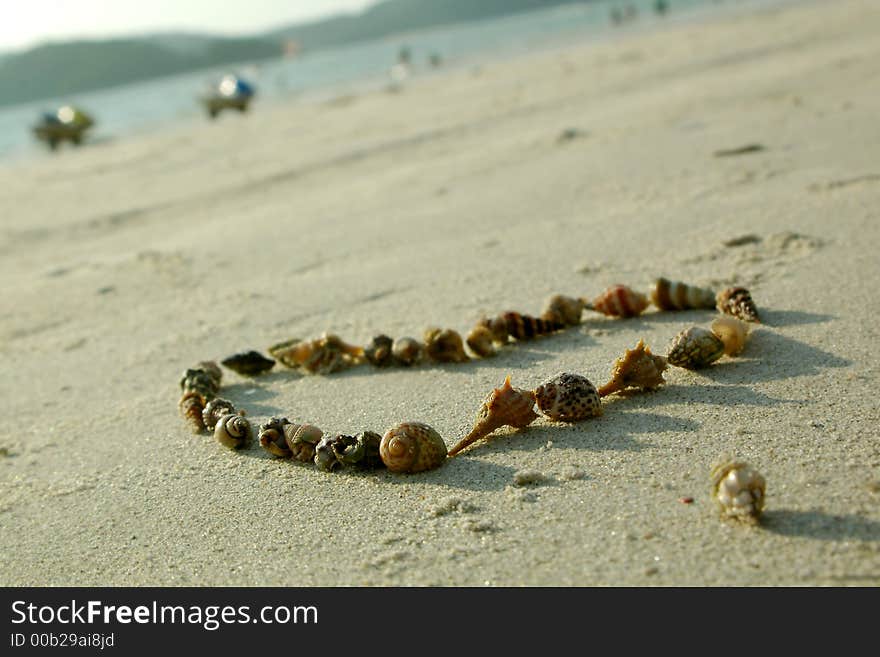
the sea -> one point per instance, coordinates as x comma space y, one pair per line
321, 75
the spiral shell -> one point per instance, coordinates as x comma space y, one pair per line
444, 346
526, 327
191, 405
694, 348
563, 310
738, 490
504, 406
737, 301
732, 332
234, 431
378, 352
248, 363
412, 447
568, 397
673, 295
301, 440
407, 351
481, 341
272, 437
214, 410
323, 355
637, 368
620, 301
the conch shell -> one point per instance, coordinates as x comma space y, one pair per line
504, 406
673, 295
637, 368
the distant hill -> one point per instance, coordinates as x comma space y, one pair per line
61, 69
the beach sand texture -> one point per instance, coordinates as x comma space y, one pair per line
461, 195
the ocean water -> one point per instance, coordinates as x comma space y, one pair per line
150, 105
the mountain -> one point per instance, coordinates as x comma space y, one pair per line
61, 69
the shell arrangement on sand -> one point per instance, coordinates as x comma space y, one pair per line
695, 348
637, 368
620, 301
504, 406
323, 355
673, 295
737, 301
412, 447
568, 397
739, 490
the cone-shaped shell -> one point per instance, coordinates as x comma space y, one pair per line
637, 368
737, 301
526, 327
738, 490
504, 406
568, 398
673, 295
412, 447
694, 348
191, 405
620, 301
734, 333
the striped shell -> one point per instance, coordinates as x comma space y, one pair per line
568, 398
620, 301
637, 368
504, 406
563, 310
214, 410
694, 348
412, 447
272, 438
739, 490
732, 332
191, 405
672, 295
301, 440
445, 346
234, 431
737, 301
526, 327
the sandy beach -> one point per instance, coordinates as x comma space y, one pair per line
461, 195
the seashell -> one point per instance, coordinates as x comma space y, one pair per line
526, 327
378, 352
301, 439
214, 410
412, 447
212, 369
637, 368
497, 327
737, 301
248, 363
738, 489
327, 450
694, 348
481, 341
563, 310
407, 351
365, 451
444, 346
733, 332
191, 405
323, 355
201, 381
672, 295
568, 398
234, 431
620, 301
272, 437
504, 406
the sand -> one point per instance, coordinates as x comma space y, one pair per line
474, 191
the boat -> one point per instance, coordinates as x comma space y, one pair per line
67, 123
230, 92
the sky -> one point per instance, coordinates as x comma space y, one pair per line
25, 23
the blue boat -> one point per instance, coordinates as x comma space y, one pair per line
230, 92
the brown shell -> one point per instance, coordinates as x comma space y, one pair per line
481, 341
301, 440
497, 327
637, 368
214, 410
620, 301
739, 490
733, 332
673, 295
695, 347
378, 352
412, 447
737, 301
191, 405
504, 406
445, 346
563, 310
212, 369
272, 437
407, 351
234, 431
568, 397
526, 327
323, 355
